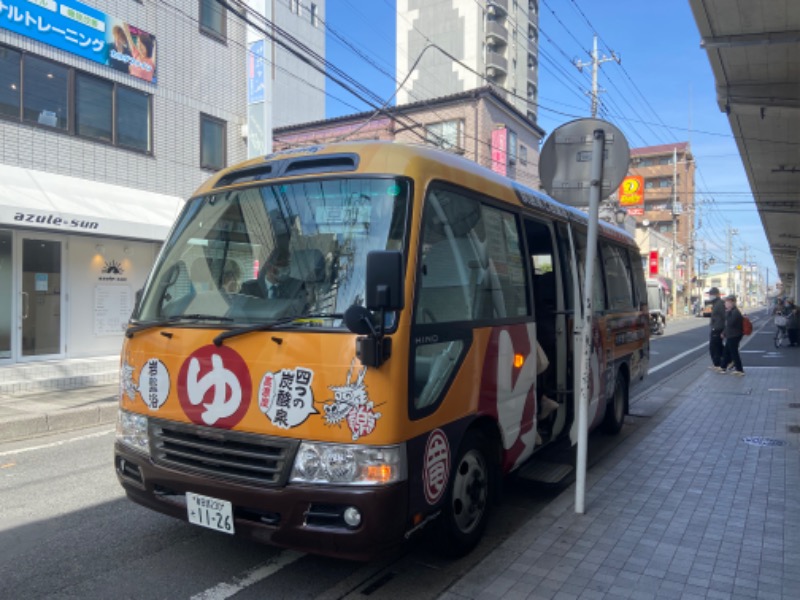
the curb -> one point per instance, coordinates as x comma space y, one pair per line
29, 426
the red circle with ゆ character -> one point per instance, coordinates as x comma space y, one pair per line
436, 466
214, 387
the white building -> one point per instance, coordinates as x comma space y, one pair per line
497, 40
111, 113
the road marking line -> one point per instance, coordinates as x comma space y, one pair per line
678, 357
254, 575
55, 444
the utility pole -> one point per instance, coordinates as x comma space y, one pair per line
731, 232
595, 63
674, 232
745, 289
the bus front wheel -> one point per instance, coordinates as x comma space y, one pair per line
468, 498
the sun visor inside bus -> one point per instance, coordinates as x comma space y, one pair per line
330, 163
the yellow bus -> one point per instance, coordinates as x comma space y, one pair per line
341, 346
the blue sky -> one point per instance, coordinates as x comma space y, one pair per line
662, 92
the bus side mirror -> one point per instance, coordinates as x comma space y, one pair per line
385, 280
385, 291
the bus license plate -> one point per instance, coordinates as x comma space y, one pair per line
209, 512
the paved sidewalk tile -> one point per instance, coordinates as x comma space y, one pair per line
703, 503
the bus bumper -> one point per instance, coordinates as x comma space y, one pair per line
302, 517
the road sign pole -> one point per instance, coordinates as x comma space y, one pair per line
598, 146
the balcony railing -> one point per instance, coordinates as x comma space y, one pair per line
496, 32
496, 64
499, 6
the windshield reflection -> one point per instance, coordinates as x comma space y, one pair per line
276, 251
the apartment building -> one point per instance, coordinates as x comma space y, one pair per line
492, 42
111, 113
668, 174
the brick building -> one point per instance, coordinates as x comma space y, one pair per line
479, 124
668, 171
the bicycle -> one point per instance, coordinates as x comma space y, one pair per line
780, 331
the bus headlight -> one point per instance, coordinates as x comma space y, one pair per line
349, 464
132, 431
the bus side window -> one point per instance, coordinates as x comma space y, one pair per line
618, 277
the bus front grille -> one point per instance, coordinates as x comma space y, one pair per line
242, 457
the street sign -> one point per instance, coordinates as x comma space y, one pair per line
566, 161
631, 192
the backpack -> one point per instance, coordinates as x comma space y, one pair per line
747, 325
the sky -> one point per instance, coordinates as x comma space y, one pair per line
661, 92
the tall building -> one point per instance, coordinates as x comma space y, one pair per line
668, 172
496, 40
298, 90
111, 113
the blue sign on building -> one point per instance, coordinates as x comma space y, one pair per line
85, 31
255, 72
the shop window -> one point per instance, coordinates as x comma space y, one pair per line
10, 78
133, 119
213, 20
93, 108
45, 92
212, 143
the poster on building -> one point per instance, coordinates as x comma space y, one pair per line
631, 191
112, 309
80, 29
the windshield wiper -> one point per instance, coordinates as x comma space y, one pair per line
133, 329
274, 324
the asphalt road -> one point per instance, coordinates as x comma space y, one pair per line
67, 531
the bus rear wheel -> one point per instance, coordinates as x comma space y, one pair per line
615, 410
469, 497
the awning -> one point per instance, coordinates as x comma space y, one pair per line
48, 201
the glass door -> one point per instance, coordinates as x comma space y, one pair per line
6, 294
40, 301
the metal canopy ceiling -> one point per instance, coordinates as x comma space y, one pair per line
754, 50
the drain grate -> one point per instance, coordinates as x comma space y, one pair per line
794, 404
793, 428
764, 442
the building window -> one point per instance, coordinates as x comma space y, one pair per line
523, 154
512, 147
446, 134
44, 93
294, 6
212, 143
314, 15
133, 119
92, 107
213, 19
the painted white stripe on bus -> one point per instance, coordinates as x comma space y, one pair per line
248, 578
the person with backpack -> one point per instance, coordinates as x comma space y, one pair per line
715, 344
732, 335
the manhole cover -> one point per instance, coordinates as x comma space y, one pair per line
762, 441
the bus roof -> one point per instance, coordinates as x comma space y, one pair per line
386, 157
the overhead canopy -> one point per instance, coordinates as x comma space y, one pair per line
48, 201
754, 51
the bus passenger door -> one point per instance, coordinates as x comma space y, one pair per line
551, 323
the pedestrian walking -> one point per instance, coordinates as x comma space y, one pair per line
792, 314
732, 334
715, 344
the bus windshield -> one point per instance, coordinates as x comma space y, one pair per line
277, 251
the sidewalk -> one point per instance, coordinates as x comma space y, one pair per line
58, 410
701, 502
